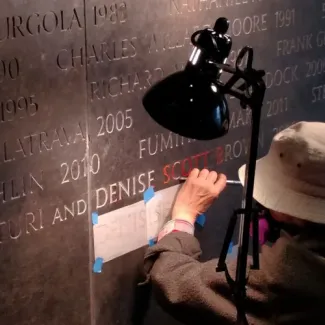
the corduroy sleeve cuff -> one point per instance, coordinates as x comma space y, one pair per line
176, 242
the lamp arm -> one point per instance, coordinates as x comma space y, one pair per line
251, 92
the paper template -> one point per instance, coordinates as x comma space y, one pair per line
129, 228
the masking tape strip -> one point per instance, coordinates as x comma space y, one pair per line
97, 268
148, 194
94, 218
201, 220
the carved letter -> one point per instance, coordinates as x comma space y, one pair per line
33, 180
141, 147
57, 215
50, 29
30, 223
126, 189
59, 63
12, 225
154, 151
14, 26
166, 145
112, 192
28, 27
99, 204
79, 134
82, 207
67, 210
1, 233
151, 178
75, 18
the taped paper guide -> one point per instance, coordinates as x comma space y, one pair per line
120, 231
129, 228
158, 210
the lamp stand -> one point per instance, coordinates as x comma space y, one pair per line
255, 90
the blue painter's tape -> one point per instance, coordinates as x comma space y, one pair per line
231, 245
152, 242
148, 194
201, 220
232, 252
97, 268
94, 218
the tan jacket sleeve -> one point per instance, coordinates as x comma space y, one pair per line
193, 292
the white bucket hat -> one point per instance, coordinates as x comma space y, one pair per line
291, 177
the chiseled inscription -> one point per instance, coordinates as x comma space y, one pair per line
69, 211
19, 187
208, 159
320, 38
79, 168
248, 25
123, 189
240, 117
273, 107
105, 52
294, 45
17, 109
26, 224
37, 143
318, 93
32, 222
280, 77
232, 58
114, 122
15, 27
161, 142
285, 18
114, 13
315, 67
277, 106
114, 50
9, 69
124, 84
178, 7
162, 41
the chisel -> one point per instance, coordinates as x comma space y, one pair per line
229, 182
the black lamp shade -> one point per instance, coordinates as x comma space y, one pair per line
189, 104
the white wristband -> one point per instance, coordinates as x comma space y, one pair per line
178, 225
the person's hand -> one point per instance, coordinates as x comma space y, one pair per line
197, 194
